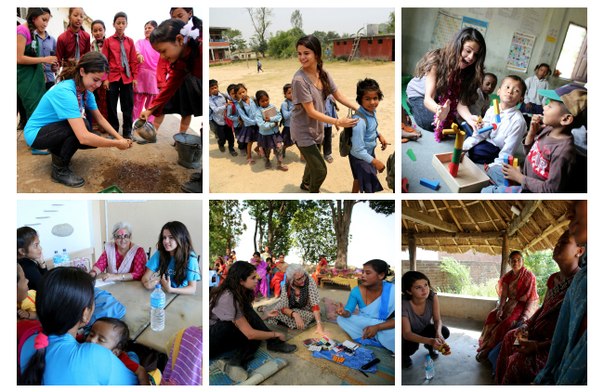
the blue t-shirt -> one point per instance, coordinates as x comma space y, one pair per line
58, 104
71, 363
191, 275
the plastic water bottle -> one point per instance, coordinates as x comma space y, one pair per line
158, 314
65, 262
57, 259
429, 367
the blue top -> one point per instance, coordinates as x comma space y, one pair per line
192, 269
270, 127
286, 111
364, 135
386, 301
71, 363
45, 47
217, 108
58, 104
247, 112
232, 113
330, 110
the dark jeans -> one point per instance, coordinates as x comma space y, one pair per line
484, 152
422, 116
225, 134
409, 348
226, 337
60, 140
126, 97
327, 141
315, 169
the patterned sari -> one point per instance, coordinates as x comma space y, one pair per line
522, 301
520, 369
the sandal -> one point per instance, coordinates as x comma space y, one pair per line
251, 162
283, 168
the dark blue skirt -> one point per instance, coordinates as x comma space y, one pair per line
269, 142
248, 134
287, 137
366, 174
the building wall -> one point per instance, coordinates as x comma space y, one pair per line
368, 48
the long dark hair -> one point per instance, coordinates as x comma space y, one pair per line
242, 297
446, 61
379, 266
25, 237
90, 62
411, 277
181, 255
69, 16
168, 30
63, 295
311, 42
32, 14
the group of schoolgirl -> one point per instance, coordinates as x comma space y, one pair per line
450, 86
243, 116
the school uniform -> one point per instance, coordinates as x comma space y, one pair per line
72, 46
533, 85
268, 131
249, 130
123, 70
47, 46
218, 106
286, 112
330, 110
233, 115
362, 153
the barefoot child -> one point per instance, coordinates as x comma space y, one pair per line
363, 163
268, 128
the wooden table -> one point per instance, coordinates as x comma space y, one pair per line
183, 311
136, 299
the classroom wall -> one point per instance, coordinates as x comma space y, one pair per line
418, 27
148, 217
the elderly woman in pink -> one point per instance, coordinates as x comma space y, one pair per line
121, 260
146, 85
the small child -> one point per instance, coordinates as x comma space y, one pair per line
232, 113
551, 153
259, 66
123, 70
218, 106
494, 145
247, 112
489, 82
113, 334
363, 163
74, 42
286, 112
269, 137
100, 94
408, 132
30, 257
26, 299
331, 110
533, 101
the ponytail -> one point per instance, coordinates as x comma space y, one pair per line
324, 79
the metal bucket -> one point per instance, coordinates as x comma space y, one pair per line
189, 150
145, 129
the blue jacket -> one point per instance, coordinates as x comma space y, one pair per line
364, 137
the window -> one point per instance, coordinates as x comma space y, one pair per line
380, 41
572, 62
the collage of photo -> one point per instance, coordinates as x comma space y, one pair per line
186, 243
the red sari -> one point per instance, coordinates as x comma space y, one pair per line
522, 300
517, 368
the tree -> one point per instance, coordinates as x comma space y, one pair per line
313, 233
296, 19
225, 226
390, 25
326, 38
271, 226
260, 21
341, 212
236, 41
283, 44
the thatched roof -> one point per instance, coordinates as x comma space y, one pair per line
456, 226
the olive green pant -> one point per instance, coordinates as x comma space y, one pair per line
315, 170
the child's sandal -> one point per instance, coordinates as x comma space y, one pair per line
251, 162
283, 168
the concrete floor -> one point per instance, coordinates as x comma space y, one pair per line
459, 368
150, 168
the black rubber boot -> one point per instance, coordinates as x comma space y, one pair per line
193, 185
62, 174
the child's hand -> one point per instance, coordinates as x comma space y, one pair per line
383, 141
378, 165
106, 84
140, 58
536, 121
267, 118
273, 313
512, 173
23, 314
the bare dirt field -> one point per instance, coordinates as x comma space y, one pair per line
233, 175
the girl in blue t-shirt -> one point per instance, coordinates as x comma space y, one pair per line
60, 122
175, 265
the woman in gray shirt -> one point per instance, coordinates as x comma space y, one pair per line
310, 87
421, 317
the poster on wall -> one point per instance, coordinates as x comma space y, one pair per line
479, 25
520, 52
444, 29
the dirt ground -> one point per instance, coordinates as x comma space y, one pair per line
149, 168
232, 174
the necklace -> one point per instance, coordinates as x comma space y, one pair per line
366, 295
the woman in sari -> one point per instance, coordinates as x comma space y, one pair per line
374, 324
519, 363
518, 302
261, 270
298, 304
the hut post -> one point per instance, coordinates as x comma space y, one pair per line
412, 252
504, 253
